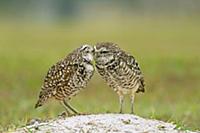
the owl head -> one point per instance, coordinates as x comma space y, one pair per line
105, 52
86, 52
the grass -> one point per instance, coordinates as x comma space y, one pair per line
167, 50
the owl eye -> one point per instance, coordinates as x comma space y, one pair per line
104, 52
87, 51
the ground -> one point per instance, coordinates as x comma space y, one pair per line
102, 123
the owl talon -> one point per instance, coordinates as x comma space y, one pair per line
84, 113
66, 114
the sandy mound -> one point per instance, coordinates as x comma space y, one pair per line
102, 123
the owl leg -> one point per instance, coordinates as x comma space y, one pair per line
69, 107
66, 109
132, 103
121, 101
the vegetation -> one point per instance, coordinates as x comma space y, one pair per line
166, 48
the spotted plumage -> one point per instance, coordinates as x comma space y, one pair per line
120, 70
67, 77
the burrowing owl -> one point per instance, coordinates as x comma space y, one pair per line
120, 70
67, 77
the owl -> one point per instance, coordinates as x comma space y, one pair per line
120, 70
68, 77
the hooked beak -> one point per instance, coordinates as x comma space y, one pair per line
94, 49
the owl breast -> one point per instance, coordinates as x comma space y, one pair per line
76, 82
82, 76
119, 76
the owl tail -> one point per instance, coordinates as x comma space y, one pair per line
42, 98
141, 87
38, 104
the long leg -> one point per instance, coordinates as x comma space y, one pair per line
71, 108
132, 103
121, 101
67, 111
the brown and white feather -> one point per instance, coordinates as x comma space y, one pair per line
120, 70
67, 77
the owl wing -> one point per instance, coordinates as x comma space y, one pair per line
134, 66
58, 73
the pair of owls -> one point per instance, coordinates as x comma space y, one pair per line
70, 75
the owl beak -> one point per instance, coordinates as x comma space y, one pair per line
94, 48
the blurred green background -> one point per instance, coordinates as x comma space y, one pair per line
164, 36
